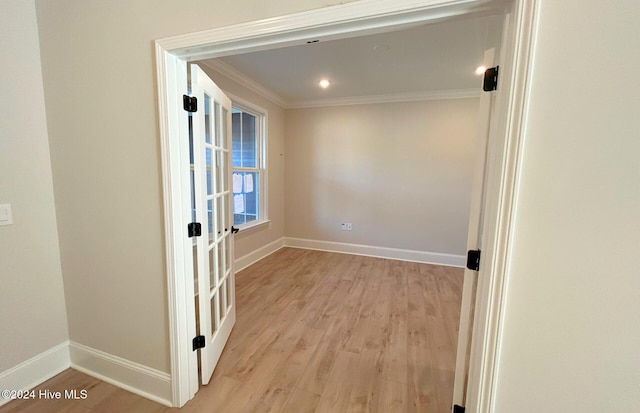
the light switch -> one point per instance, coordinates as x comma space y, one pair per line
6, 218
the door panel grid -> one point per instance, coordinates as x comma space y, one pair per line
211, 141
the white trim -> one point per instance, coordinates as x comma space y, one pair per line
239, 77
142, 380
36, 370
503, 170
437, 258
171, 75
331, 22
251, 84
254, 256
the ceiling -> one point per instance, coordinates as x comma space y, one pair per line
436, 58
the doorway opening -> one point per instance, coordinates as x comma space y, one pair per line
422, 156
342, 21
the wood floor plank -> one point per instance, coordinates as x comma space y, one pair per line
393, 397
301, 401
422, 395
395, 361
263, 344
317, 373
317, 331
214, 395
335, 396
283, 384
366, 389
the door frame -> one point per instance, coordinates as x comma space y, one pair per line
355, 18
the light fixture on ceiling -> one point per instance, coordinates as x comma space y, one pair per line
324, 83
480, 70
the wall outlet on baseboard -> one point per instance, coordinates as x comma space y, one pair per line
346, 226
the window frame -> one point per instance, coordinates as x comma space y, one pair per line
261, 115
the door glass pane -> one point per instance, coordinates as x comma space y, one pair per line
212, 268
223, 124
215, 312
229, 295
227, 216
223, 298
207, 118
210, 216
219, 221
220, 248
209, 171
225, 175
227, 255
219, 171
219, 302
219, 137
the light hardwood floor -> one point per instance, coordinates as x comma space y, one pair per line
317, 332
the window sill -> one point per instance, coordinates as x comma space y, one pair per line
250, 227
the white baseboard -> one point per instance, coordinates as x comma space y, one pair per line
136, 378
36, 370
248, 259
437, 258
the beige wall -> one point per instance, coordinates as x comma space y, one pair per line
400, 172
32, 309
99, 78
571, 341
249, 240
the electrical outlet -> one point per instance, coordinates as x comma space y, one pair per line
349, 226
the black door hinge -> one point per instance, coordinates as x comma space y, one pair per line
458, 409
194, 229
190, 103
473, 260
198, 342
490, 79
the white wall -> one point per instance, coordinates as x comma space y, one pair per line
571, 340
399, 172
32, 308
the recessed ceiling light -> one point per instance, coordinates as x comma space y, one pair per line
480, 70
324, 83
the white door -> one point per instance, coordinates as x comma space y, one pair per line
474, 240
211, 128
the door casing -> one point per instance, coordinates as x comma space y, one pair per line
346, 20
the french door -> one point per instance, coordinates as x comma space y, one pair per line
474, 242
211, 137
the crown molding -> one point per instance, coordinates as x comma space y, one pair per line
239, 77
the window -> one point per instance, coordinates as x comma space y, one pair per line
248, 144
